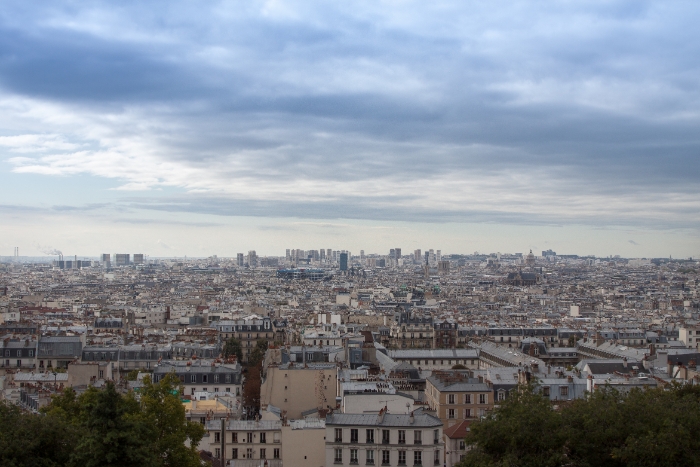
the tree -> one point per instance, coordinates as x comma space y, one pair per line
116, 434
34, 440
233, 347
251, 388
654, 427
162, 408
257, 355
133, 375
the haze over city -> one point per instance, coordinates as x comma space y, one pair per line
178, 128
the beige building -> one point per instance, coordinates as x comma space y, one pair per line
297, 388
455, 445
455, 396
304, 443
384, 439
244, 443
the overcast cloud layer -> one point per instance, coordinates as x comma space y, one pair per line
515, 113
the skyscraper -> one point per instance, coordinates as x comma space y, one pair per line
416, 256
240, 261
397, 253
343, 261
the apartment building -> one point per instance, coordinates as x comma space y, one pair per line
455, 396
384, 439
202, 375
247, 330
244, 443
298, 388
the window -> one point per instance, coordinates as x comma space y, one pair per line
467, 413
402, 457
193, 378
338, 435
451, 399
217, 437
385, 436
249, 437
545, 391
451, 413
338, 457
276, 453
276, 437
249, 453
234, 437
417, 438
370, 436
7, 353
217, 452
262, 454
263, 438
402, 436
234, 453
564, 391
370, 457
386, 457
228, 390
417, 457
436, 458
205, 378
353, 435
353, 456
467, 398
31, 353
462, 445
436, 436
501, 396
482, 399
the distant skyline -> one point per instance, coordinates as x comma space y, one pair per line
178, 128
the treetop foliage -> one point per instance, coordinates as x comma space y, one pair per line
652, 427
101, 427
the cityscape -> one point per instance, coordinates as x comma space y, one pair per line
300, 233
352, 340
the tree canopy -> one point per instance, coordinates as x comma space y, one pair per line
233, 347
102, 427
652, 427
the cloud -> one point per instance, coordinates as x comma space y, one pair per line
531, 114
633, 242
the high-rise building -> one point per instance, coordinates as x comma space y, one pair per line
416, 256
438, 255
288, 255
323, 254
252, 259
138, 258
121, 259
240, 259
397, 253
106, 259
329, 254
343, 261
362, 255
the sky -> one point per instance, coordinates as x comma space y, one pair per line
175, 128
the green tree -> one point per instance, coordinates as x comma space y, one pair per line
257, 355
233, 347
162, 408
654, 427
116, 433
133, 375
34, 440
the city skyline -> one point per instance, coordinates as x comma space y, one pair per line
211, 129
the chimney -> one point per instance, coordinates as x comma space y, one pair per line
412, 419
624, 362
